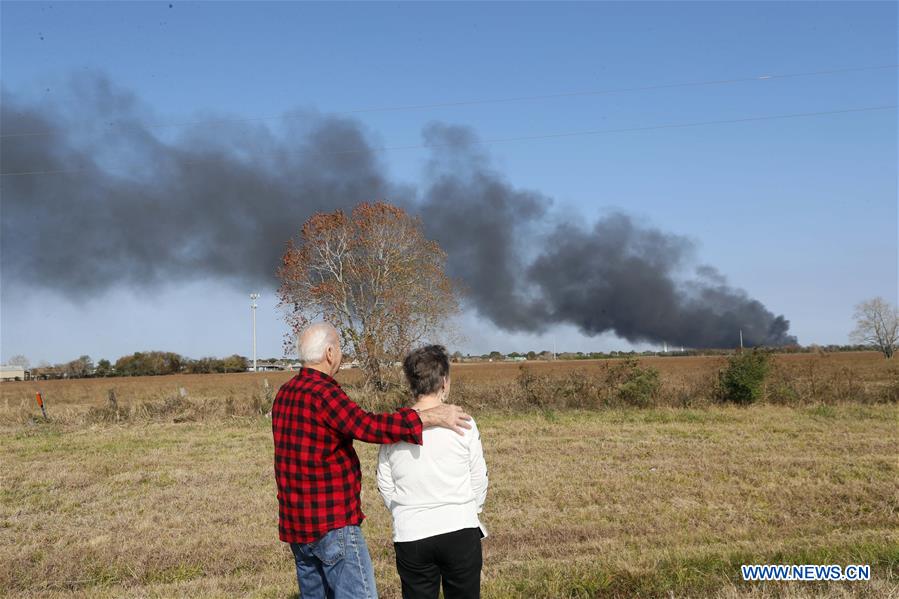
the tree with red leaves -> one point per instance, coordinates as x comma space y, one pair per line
374, 276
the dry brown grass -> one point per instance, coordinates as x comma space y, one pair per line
81, 394
168, 493
582, 504
686, 381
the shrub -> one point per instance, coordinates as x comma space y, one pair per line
697, 392
536, 390
111, 412
387, 400
633, 385
177, 407
743, 381
819, 380
484, 395
890, 391
784, 391
625, 383
575, 389
262, 399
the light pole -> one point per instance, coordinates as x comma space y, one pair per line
253, 298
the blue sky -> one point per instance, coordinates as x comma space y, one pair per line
802, 213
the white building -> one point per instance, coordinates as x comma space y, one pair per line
13, 373
267, 367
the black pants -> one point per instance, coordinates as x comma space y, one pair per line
454, 556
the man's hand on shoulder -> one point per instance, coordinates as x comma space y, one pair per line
447, 416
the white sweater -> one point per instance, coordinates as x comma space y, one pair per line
434, 488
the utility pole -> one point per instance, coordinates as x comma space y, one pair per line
253, 298
741, 339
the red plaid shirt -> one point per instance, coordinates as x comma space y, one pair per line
317, 469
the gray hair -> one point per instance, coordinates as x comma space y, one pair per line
314, 342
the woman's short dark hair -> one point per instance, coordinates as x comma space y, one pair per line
425, 368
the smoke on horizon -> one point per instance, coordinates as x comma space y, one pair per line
127, 206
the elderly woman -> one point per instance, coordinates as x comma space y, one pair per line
435, 492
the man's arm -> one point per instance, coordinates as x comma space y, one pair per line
346, 417
447, 416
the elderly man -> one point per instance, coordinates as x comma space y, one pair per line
317, 470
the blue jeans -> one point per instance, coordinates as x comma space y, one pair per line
336, 566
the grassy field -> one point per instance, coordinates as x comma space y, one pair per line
820, 377
653, 502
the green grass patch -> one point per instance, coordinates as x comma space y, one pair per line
179, 573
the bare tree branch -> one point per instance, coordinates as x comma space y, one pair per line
877, 324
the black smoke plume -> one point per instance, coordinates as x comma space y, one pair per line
116, 201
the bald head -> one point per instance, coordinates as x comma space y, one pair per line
315, 341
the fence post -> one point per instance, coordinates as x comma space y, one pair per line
40, 402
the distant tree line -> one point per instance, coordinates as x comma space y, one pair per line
150, 363
496, 356
146, 363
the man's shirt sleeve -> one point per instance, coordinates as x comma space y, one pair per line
345, 416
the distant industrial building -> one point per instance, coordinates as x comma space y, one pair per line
14, 373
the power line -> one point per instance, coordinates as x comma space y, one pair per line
564, 134
460, 103
645, 128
